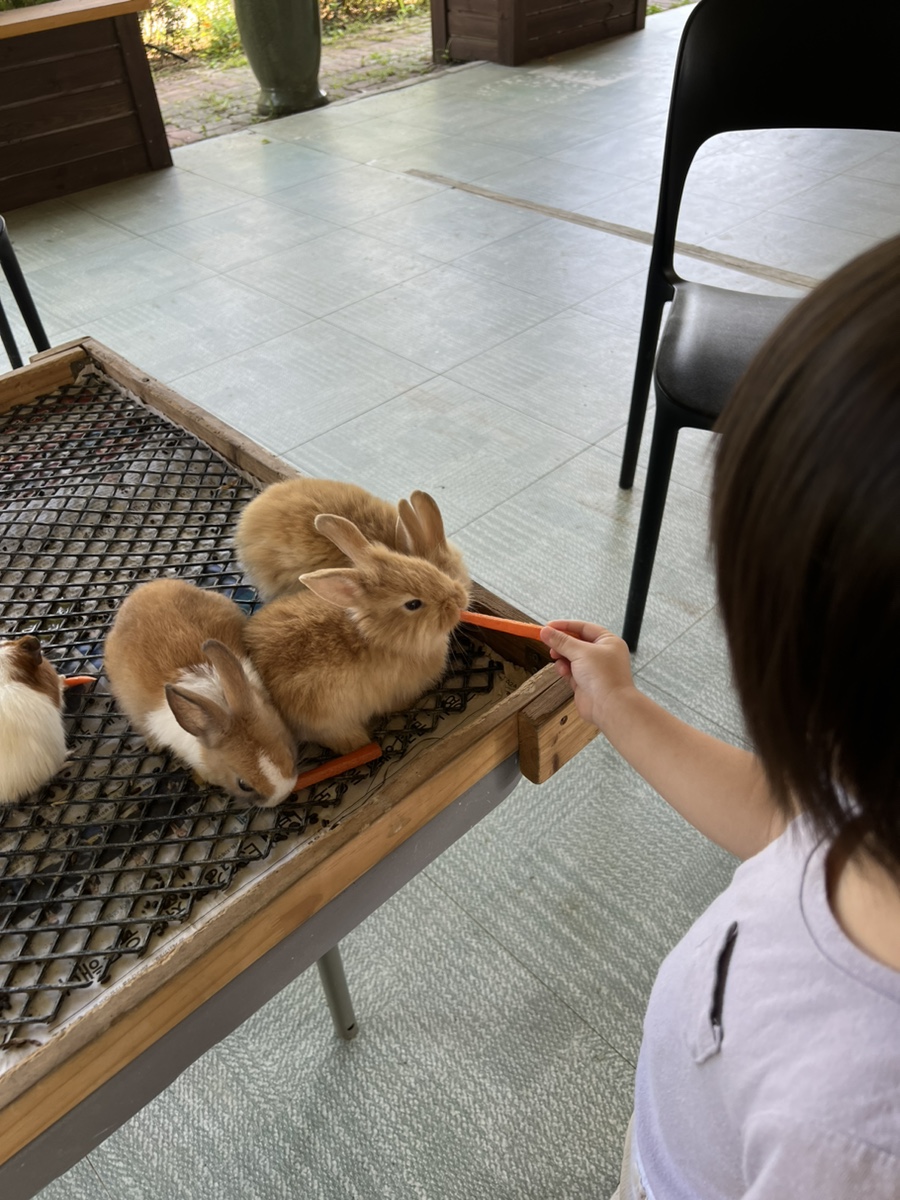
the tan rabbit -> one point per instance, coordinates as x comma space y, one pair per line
360, 641
32, 737
277, 540
177, 666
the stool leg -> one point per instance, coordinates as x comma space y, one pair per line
334, 981
662, 453
21, 294
9, 342
657, 295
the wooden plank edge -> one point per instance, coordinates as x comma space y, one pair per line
447, 759
36, 1109
241, 451
59, 13
45, 372
551, 732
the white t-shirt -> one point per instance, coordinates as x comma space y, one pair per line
770, 1065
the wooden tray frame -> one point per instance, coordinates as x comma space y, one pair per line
538, 722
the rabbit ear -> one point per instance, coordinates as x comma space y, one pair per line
422, 524
231, 674
338, 585
344, 534
30, 646
430, 518
197, 715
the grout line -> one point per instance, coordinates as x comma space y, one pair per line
759, 270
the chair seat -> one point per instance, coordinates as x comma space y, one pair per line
710, 336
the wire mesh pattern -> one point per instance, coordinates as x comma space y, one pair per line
98, 494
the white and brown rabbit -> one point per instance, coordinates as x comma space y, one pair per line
360, 641
177, 666
32, 736
277, 540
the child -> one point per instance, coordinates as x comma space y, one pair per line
770, 1063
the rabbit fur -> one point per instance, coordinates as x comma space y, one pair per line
277, 540
359, 641
32, 735
178, 668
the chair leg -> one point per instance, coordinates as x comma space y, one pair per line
9, 342
662, 452
334, 982
21, 295
657, 295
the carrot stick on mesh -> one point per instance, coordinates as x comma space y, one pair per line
74, 680
503, 625
337, 766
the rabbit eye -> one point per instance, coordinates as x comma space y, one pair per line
245, 786
412, 605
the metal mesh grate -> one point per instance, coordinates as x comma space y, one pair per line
98, 494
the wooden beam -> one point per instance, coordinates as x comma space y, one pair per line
59, 13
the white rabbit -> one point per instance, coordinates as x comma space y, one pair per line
32, 736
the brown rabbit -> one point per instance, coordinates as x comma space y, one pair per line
277, 540
360, 641
177, 665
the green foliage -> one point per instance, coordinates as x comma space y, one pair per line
207, 28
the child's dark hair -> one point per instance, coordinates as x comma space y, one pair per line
806, 537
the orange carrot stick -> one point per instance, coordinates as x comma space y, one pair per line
337, 766
75, 680
503, 625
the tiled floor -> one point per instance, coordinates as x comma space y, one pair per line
368, 324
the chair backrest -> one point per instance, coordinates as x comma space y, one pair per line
775, 64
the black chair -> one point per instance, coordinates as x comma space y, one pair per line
22, 297
763, 64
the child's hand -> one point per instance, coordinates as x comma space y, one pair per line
596, 662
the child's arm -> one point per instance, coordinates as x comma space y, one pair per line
719, 788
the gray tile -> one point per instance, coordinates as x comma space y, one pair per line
347, 197
443, 317
695, 671
563, 547
299, 385
469, 1081
626, 153
364, 141
847, 202
146, 203
331, 272
88, 285
194, 327
463, 158
830, 150
556, 259
589, 879
884, 167
447, 113
540, 133
528, 89
245, 233
449, 224
255, 163
468, 451
726, 172
791, 243
559, 184
47, 233
572, 372
700, 217
81, 1182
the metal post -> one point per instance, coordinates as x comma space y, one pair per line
334, 981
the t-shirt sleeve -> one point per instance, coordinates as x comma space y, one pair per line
784, 1157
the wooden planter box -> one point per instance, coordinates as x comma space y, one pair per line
512, 32
77, 102
128, 1023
